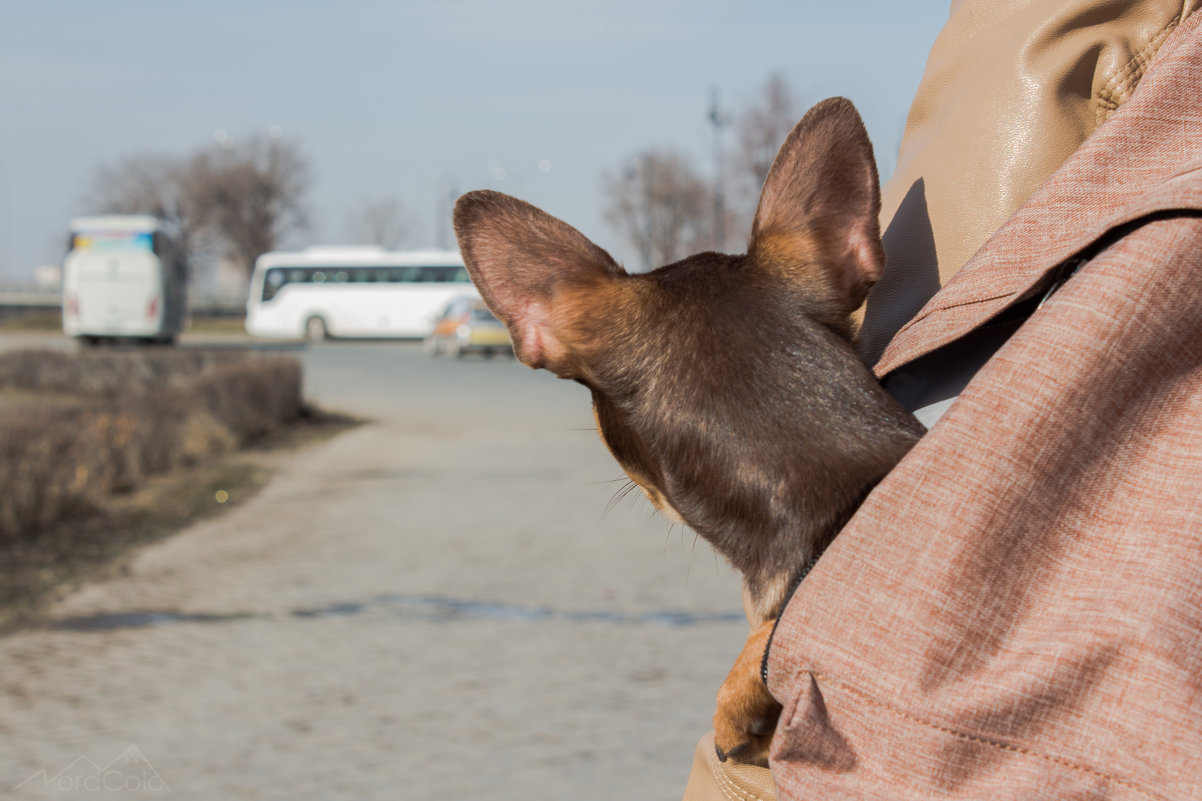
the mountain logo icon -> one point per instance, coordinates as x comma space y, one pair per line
128, 772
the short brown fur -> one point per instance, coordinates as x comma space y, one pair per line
726, 386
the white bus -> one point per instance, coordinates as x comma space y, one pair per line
352, 292
123, 278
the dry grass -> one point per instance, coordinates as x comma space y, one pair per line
103, 450
113, 419
39, 568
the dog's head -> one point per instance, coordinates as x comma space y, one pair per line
725, 386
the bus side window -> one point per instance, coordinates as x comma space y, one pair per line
435, 275
272, 282
461, 276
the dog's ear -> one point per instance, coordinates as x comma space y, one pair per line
534, 271
818, 212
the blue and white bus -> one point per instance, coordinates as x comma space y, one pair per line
123, 278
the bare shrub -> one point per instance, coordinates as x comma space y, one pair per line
140, 414
38, 469
106, 373
251, 398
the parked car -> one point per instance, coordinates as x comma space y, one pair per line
467, 326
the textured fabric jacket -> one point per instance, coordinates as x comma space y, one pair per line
1016, 610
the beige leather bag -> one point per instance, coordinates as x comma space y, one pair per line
1011, 88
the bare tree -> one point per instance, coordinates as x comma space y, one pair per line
250, 194
760, 130
150, 184
661, 205
240, 200
384, 222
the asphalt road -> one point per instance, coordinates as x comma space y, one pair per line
445, 603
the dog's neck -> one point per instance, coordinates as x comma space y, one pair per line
773, 561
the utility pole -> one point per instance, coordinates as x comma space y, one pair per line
445, 192
718, 120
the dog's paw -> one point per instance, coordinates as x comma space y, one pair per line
747, 714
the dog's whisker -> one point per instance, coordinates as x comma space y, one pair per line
618, 497
688, 573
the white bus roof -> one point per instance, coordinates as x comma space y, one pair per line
366, 255
117, 222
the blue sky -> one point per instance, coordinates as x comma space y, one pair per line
401, 99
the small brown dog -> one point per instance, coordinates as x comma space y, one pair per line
727, 387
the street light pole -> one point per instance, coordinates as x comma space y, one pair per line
448, 190
718, 120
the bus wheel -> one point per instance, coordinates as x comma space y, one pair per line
315, 329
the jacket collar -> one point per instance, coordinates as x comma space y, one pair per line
1141, 162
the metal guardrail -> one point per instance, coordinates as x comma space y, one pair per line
20, 300
30, 299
